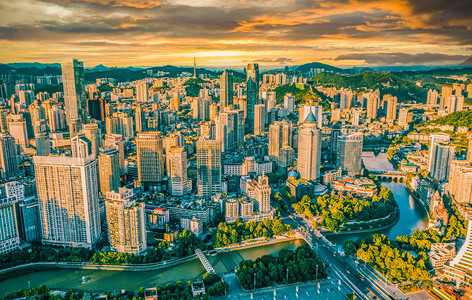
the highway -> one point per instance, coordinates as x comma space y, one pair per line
366, 287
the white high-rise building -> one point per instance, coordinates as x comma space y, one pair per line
179, 184
126, 222
289, 103
209, 170
67, 189
316, 110
309, 149
280, 135
440, 155
9, 234
432, 98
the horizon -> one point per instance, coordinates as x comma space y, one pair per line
236, 32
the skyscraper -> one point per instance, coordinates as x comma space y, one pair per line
175, 102
126, 222
75, 98
9, 233
259, 118
208, 167
226, 90
179, 183
280, 135
142, 92
67, 190
140, 118
391, 108
109, 170
94, 134
9, 157
230, 129
315, 109
252, 92
150, 156
309, 149
440, 155
350, 153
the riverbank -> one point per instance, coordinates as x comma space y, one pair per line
255, 244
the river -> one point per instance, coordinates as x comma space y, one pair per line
117, 280
412, 213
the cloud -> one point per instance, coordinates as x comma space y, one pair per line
403, 58
277, 61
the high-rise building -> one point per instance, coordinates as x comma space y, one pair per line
150, 156
432, 98
315, 109
350, 153
440, 155
75, 98
67, 189
454, 103
9, 157
140, 118
280, 135
232, 209
230, 129
109, 170
459, 184
94, 134
289, 103
96, 108
372, 106
9, 234
262, 192
226, 90
142, 92
259, 118
179, 184
116, 141
391, 108
252, 92
469, 147
403, 117
175, 102
309, 149
126, 222
208, 167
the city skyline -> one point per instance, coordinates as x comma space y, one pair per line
234, 33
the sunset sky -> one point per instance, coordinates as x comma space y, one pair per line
230, 33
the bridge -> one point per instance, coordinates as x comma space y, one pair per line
205, 261
389, 174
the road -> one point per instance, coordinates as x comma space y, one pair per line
366, 286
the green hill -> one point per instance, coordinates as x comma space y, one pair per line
302, 94
387, 84
460, 118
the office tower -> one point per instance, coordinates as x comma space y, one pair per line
175, 102
315, 109
469, 147
228, 129
440, 155
94, 134
9, 233
9, 157
459, 184
75, 128
259, 118
432, 98
43, 147
208, 167
280, 135
81, 146
202, 111
96, 108
114, 124
116, 141
128, 128
109, 170
67, 190
142, 92
126, 222
350, 153
289, 103
252, 93
75, 98
391, 108
179, 183
309, 149
372, 107
150, 156
226, 90
140, 118
57, 120
454, 103
262, 194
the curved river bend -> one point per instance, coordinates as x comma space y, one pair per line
412, 216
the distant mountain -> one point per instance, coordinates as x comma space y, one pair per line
412, 68
467, 62
317, 65
101, 68
23, 69
33, 65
